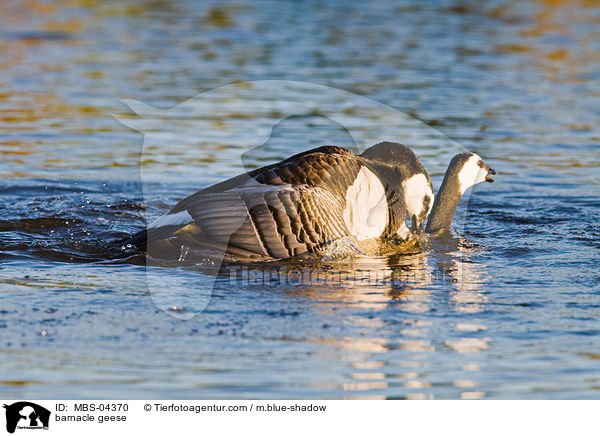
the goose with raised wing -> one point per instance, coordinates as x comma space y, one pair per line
305, 203
299, 205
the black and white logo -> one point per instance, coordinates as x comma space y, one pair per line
26, 415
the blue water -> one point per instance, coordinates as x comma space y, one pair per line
506, 308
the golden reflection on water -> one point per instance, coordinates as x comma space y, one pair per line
406, 283
561, 62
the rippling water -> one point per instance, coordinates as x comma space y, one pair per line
506, 308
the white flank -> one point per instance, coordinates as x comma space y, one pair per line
415, 190
471, 173
175, 219
366, 212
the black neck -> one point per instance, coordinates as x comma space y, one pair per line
445, 204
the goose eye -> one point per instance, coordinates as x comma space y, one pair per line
480, 163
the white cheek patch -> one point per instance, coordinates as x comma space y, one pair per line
175, 219
471, 174
415, 190
481, 176
366, 211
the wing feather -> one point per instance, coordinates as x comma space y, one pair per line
271, 221
276, 211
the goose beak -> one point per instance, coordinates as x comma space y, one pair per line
488, 178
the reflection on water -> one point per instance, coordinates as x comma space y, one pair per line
395, 359
507, 308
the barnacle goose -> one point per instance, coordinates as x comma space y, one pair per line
299, 205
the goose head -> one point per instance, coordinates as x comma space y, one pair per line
471, 170
418, 198
407, 184
465, 170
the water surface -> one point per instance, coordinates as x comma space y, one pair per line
507, 308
